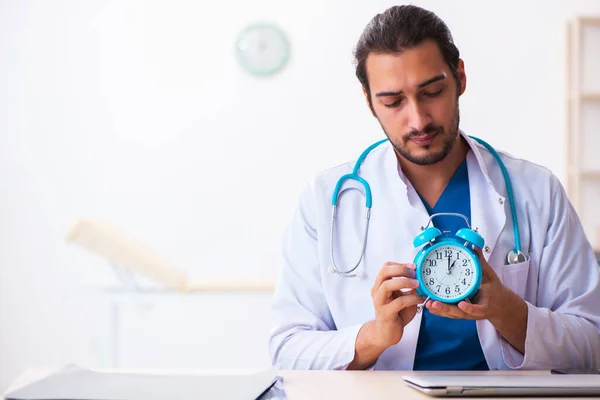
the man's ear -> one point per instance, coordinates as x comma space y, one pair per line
368, 99
462, 76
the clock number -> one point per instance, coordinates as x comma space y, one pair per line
438, 287
458, 255
464, 281
456, 288
432, 262
431, 281
465, 262
428, 271
467, 272
438, 255
447, 253
447, 289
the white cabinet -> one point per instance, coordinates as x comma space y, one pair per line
583, 123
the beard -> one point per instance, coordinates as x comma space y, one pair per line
449, 139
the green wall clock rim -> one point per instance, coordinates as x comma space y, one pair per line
282, 36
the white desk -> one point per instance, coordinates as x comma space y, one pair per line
316, 385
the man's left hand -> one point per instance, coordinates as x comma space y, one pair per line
489, 303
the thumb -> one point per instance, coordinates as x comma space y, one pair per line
487, 269
479, 253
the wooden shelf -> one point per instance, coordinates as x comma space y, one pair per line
589, 96
589, 20
594, 96
590, 175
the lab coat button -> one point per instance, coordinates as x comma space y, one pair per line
487, 249
501, 201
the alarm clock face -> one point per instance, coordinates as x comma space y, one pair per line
449, 273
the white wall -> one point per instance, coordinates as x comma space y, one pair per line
135, 112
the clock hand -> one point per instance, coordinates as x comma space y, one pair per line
451, 267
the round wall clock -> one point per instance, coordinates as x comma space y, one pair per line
262, 49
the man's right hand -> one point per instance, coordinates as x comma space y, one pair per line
395, 300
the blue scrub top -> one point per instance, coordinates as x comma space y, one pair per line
447, 343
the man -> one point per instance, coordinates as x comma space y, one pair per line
542, 312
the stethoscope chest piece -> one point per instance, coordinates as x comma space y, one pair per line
515, 257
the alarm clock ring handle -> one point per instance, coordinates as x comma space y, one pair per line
468, 234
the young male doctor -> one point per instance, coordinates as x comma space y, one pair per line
540, 311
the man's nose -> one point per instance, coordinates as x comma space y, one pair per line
418, 117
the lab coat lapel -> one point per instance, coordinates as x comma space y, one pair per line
403, 210
487, 206
488, 215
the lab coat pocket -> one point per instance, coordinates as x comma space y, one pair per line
514, 277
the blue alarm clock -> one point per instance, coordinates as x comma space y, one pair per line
447, 268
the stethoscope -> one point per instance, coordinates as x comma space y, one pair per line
514, 256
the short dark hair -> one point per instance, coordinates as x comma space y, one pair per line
399, 28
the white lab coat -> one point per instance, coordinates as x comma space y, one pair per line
317, 314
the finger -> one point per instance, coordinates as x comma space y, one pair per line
487, 270
384, 294
479, 253
405, 292
391, 270
402, 302
402, 292
446, 310
446, 315
474, 310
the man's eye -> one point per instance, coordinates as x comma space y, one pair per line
432, 94
394, 104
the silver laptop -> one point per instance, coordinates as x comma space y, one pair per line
445, 385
